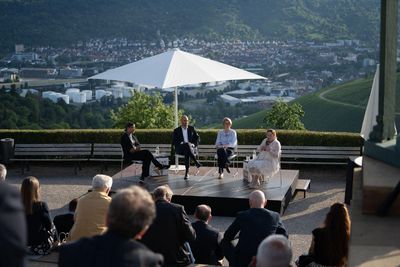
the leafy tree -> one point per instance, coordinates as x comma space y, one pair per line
146, 111
285, 116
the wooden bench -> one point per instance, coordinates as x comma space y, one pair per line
321, 155
303, 185
26, 153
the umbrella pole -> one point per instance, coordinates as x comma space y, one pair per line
176, 107
176, 168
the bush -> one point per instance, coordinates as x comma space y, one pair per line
164, 136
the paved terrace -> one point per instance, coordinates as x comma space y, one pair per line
59, 185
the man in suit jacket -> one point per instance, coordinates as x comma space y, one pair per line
91, 210
13, 234
132, 151
184, 139
207, 247
64, 222
253, 226
131, 212
170, 230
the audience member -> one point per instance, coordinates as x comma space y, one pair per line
13, 234
330, 244
206, 247
132, 151
130, 213
274, 251
185, 139
40, 228
225, 143
170, 229
64, 222
253, 226
3, 173
91, 211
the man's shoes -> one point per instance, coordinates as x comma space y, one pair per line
227, 168
141, 180
186, 177
198, 165
221, 176
164, 167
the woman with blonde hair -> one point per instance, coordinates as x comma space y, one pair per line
266, 164
225, 144
330, 244
40, 230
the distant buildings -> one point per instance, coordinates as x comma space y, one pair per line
54, 96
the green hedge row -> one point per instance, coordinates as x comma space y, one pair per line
164, 136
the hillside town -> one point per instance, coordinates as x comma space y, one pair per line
293, 68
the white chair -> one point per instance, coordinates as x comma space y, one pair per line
134, 162
179, 156
230, 158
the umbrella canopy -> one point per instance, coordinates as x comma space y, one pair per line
372, 110
175, 68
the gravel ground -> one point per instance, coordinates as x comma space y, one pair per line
59, 185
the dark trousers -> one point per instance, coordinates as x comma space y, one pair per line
187, 151
228, 248
147, 158
223, 155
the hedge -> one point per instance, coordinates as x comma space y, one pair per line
164, 136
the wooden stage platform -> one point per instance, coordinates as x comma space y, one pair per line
226, 196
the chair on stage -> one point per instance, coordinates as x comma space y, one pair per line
180, 156
129, 162
235, 155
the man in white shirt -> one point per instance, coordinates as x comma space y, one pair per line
185, 139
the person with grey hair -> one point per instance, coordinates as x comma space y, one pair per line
3, 172
90, 213
170, 230
274, 251
131, 212
252, 225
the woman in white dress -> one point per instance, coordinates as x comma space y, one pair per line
266, 164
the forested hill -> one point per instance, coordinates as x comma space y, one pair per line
60, 22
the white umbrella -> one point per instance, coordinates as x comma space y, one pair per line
371, 111
175, 68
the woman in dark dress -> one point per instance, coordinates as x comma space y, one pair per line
37, 217
330, 244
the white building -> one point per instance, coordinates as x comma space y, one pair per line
230, 99
54, 96
89, 94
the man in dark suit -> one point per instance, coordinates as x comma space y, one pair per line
185, 139
207, 247
13, 234
170, 230
253, 226
132, 151
131, 212
64, 222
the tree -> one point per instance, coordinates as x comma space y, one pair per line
285, 116
146, 111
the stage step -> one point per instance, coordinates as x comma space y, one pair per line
303, 185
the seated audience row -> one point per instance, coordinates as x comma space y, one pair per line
133, 229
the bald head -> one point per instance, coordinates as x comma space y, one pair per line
274, 251
257, 199
203, 213
184, 121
